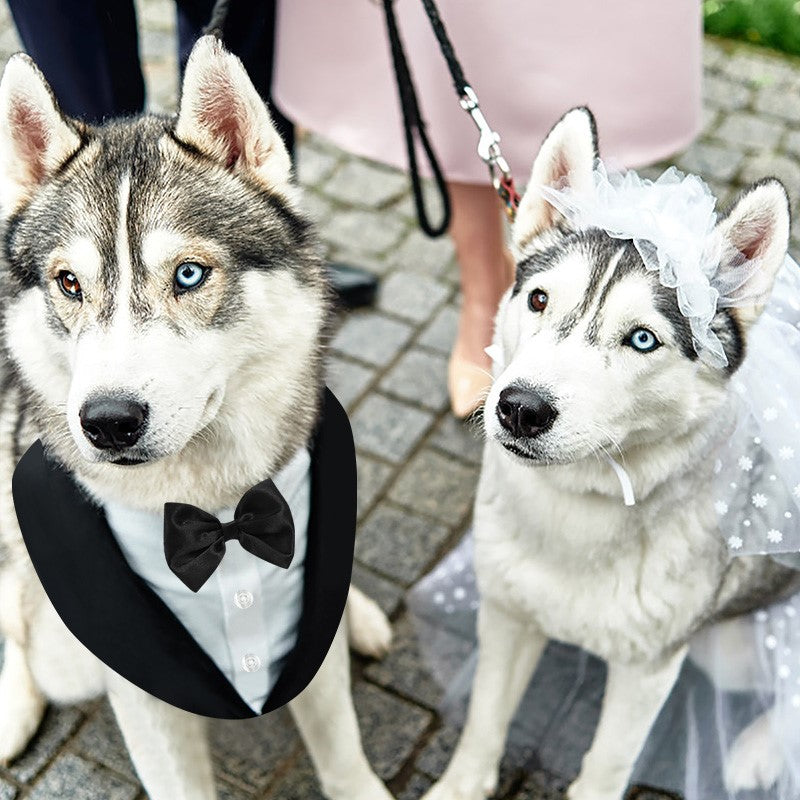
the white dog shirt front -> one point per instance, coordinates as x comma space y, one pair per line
246, 615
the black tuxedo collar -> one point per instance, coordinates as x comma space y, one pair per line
113, 612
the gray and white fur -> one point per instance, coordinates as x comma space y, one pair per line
557, 553
211, 389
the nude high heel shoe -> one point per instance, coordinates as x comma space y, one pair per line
467, 384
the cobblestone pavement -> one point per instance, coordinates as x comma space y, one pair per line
417, 465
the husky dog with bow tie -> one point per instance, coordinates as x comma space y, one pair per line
163, 315
637, 341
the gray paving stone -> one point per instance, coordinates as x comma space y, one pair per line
712, 161
411, 295
462, 439
314, 166
436, 485
744, 66
416, 787
363, 183
778, 103
155, 44
72, 777
420, 253
58, 725
355, 231
791, 143
156, 15
441, 331
399, 544
747, 131
373, 476
709, 120
419, 377
7, 790
248, 753
713, 54
100, 740
436, 755
371, 337
404, 669
161, 78
347, 380
318, 209
227, 792
387, 594
540, 785
299, 783
783, 167
388, 428
725, 94
388, 746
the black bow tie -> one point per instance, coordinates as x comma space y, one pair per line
194, 540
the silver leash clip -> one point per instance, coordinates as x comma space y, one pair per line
489, 151
489, 142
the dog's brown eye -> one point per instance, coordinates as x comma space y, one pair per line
537, 300
69, 284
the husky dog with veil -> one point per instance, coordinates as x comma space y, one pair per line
634, 558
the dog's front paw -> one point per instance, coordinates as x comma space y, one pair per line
21, 711
756, 760
587, 789
369, 631
464, 789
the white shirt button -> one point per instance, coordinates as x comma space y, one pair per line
243, 599
251, 662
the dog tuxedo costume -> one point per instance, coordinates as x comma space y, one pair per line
252, 635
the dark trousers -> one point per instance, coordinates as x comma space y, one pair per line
89, 50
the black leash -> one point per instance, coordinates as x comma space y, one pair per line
216, 23
414, 126
488, 144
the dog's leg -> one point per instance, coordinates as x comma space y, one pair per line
508, 653
368, 630
326, 718
168, 747
21, 703
756, 759
634, 695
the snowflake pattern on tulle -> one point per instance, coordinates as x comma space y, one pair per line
757, 488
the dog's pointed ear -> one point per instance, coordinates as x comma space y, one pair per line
756, 228
566, 158
35, 137
223, 116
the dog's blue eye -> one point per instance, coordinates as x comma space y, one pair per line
643, 340
189, 276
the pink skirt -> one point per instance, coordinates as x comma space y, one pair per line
636, 63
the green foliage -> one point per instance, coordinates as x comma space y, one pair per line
771, 23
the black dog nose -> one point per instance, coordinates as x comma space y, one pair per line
112, 423
524, 412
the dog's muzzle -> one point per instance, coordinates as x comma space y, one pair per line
524, 412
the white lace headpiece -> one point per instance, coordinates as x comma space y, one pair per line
672, 223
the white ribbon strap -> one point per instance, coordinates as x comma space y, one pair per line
624, 481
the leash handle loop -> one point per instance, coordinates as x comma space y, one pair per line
414, 127
414, 130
